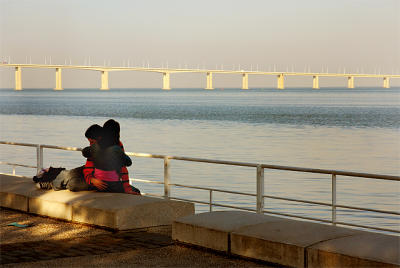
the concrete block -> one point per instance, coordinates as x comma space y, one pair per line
56, 204
361, 250
14, 201
123, 212
113, 210
283, 242
14, 192
212, 229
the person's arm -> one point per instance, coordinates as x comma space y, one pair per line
120, 157
88, 173
127, 161
125, 180
121, 145
99, 184
125, 175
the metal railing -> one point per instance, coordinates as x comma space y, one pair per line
260, 196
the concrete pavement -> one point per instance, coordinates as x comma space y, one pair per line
54, 243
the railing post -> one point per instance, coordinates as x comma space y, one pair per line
211, 200
166, 178
39, 157
334, 199
260, 189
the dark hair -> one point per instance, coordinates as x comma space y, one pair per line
112, 125
110, 133
94, 132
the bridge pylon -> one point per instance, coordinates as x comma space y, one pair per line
18, 80
104, 80
281, 81
315, 82
386, 82
209, 85
58, 79
166, 81
245, 81
350, 82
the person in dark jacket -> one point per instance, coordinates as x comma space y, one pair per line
110, 158
109, 161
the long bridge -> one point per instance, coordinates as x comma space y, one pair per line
166, 72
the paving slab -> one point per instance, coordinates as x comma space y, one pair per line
112, 210
212, 229
283, 242
362, 250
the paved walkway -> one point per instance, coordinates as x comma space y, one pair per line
73, 247
49, 243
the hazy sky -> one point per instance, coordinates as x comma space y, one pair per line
290, 34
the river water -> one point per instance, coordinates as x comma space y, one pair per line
331, 128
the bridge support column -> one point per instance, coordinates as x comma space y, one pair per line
281, 81
104, 80
58, 79
18, 80
209, 81
166, 84
245, 81
386, 82
350, 82
315, 84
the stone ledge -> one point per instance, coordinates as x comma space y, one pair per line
212, 229
285, 241
361, 250
123, 211
112, 210
14, 192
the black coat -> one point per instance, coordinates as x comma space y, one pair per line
110, 158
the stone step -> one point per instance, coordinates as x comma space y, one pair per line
285, 241
113, 210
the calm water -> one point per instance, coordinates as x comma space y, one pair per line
332, 128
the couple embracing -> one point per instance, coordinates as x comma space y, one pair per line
105, 169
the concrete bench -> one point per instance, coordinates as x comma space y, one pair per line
285, 241
212, 230
361, 250
112, 210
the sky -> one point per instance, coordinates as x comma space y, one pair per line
315, 35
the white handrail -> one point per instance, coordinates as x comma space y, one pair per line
259, 183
